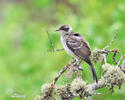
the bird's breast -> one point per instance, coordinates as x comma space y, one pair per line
63, 41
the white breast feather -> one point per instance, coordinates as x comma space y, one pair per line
66, 48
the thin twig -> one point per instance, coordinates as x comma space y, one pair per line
114, 51
117, 63
106, 51
114, 58
111, 41
123, 65
101, 67
53, 49
105, 59
121, 57
50, 40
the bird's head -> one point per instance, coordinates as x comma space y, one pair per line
65, 29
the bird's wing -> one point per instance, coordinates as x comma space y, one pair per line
79, 46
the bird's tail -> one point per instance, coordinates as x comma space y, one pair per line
93, 72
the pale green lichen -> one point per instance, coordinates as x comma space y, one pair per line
106, 66
78, 87
113, 76
64, 92
47, 92
96, 56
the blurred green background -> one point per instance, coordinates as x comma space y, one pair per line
25, 63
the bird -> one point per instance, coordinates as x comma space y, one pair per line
76, 46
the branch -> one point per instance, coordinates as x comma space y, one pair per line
123, 65
61, 72
111, 41
112, 77
95, 86
105, 55
114, 51
53, 49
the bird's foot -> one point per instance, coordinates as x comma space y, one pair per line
78, 66
81, 69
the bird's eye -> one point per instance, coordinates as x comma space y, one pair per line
66, 29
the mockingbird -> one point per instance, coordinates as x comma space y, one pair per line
76, 46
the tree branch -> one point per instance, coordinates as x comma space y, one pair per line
61, 72
111, 77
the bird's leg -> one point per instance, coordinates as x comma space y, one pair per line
78, 63
77, 68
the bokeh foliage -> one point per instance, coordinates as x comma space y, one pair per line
24, 63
